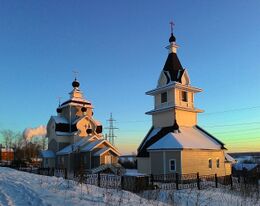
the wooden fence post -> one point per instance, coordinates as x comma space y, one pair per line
152, 180
65, 173
137, 185
231, 182
177, 181
122, 182
198, 180
98, 179
216, 180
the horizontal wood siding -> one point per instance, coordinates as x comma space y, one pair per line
95, 162
143, 165
173, 155
194, 161
157, 161
114, 157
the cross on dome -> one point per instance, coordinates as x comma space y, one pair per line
172, 38
172, 25
75, 73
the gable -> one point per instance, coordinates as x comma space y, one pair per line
185, 79
163, 79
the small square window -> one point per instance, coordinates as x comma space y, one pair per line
217, 163
210, 163
184, 96
164, 97
172, 165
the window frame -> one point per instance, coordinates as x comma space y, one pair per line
217, 163
170, 169
164, 97
210, 163
184, 96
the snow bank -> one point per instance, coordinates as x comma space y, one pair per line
207, 197
21, 188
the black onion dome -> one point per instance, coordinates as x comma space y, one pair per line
172, 38
59, 110
89, 131
75, 83
83, 109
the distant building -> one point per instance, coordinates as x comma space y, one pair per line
175, 143
6, 155
75, 138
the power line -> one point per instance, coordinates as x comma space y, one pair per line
246, 130
232, 110
229, 125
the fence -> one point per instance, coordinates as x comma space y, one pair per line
172, 181
185, 181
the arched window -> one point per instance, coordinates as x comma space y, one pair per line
217, 163
210, 163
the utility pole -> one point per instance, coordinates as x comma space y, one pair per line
111, 133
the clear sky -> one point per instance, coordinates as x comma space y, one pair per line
118, 49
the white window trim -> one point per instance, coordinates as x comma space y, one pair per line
170, 165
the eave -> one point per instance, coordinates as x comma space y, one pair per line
173, 85
195, 110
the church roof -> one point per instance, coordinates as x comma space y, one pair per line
173, 67
88, 144
47, 154
73, 147
188, 138
60, 120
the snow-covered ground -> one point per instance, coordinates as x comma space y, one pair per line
21, 188
206, 197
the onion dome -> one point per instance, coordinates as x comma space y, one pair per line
99, 129
172, 38
83, 109
75, 83
59, 110
89, 131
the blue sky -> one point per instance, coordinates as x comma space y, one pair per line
118, 49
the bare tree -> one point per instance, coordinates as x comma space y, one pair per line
8, 137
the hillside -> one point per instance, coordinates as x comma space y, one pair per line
21, 189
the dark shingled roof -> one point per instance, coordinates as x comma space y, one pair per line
174, 67
74, 101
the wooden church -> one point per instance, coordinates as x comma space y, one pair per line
175, 143
75, 138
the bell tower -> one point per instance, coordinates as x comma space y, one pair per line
174, 95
